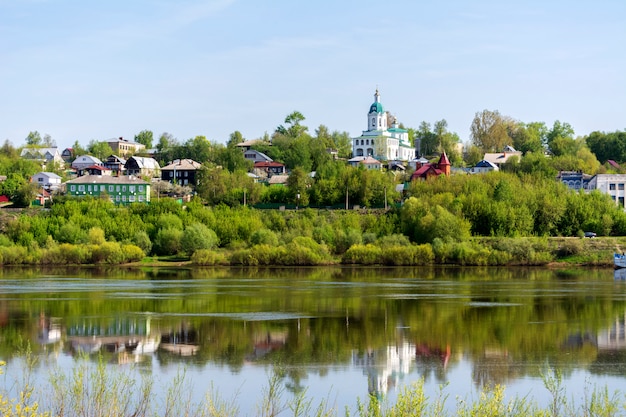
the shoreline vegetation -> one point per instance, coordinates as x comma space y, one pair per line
93, 388
96, 232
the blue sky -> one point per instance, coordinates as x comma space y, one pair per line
83, 70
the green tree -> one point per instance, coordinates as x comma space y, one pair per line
33, 139
198, 236
490, 131
145, 137
99, 149
560, 139
298, 185
235, 138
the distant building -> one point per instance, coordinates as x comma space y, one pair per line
85, 161
367, 161
268, 168
501, 158
42, 155
68, 154
256, 156
483, 166
46, 180
575, 180
115, 164
429, 170
380, 141
611, 184
141, 166
181, 171
120, 190
121, 146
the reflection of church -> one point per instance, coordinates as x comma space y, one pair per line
613, 337
380, 141
384, 368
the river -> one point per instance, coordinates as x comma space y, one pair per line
341, 334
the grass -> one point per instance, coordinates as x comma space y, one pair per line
95, 389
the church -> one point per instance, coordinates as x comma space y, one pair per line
380, 141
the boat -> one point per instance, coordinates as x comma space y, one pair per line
619, 260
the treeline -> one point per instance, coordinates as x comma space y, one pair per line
440, 221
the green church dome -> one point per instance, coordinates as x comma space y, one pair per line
376, 107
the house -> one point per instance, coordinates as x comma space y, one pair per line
247, 144
429, 170
115, 164
68, 154
501, 158
380, 141
278, 180
42, 155
256, 156
575, 180
142, 166
41, 197
121, 146
483, 166
268, 168
85, 161
46, 180
121, 190
95, 170
181, 171
611, 184
367, 161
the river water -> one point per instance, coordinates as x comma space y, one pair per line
341, 334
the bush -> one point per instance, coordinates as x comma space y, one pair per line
206, 257
168, 241
264, 237
142, 240
108, 253
362, 255
132, 253
198, 236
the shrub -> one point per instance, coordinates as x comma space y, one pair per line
207, 257
96, 236
198, 236
14, 255
362, 255
108, 253
132, 253
168, 241
142, 240
264, 237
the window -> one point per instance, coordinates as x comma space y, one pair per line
123, 188
124, 198
81, 188
103, 188
140, 198
117, 188
621, 202
131, 188
141, 188
612, 187
187, 173
131, 198
72, 187
117, 198
89, 188
40, 179
620, 186
171, 174
111, 188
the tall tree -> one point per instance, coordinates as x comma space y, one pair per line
145, 137
560, 139
489, 131
33, 138
99, 149
235, 138
294, 128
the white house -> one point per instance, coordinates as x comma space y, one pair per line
43, 155
380, 141
47, 180
367, 161
483, 166
611, 184
85, 161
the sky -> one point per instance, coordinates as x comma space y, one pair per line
82, 70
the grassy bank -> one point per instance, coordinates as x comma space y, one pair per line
95, 389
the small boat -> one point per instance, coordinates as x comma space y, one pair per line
619, 260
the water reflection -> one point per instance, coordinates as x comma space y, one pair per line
391, 325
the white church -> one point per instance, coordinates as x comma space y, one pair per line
380, 141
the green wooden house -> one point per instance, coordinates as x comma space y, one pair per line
121, 190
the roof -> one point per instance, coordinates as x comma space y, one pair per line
182, 164
268, 164
251, 142
376, 107
485, 164
98, 167
443, 159
86, 159
278, 179
107, 179
501, 157
145, 162
39, 152
48, 174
